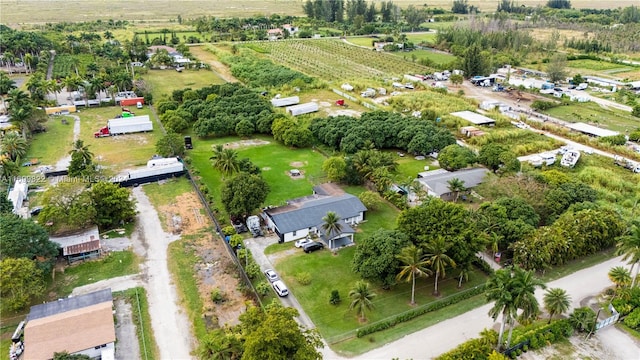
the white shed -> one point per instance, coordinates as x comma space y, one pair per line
288, 101
305, 108
346, 87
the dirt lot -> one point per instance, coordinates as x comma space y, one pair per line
215, 269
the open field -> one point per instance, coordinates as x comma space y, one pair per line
117, 152
52, 145
594, 65
163, 82
162, 11
333, 60
596, 115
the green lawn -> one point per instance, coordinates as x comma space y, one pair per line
115, 264
166, 193
273, 158
333, 272
436, 57
163, 82
596, 115
594, 65
51, 146
409, 167
120, 152
418, 38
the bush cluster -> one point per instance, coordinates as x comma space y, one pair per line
412, 314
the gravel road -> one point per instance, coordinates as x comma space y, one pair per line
170, 324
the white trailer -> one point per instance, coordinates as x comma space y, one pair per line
157, 170
129, 125
305, 108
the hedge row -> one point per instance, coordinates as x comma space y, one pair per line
412, 314
542, 336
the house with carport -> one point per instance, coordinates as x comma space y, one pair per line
302, 217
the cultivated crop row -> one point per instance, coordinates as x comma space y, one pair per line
335, 60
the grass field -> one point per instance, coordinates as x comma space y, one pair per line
594, 114
163, 82
594, 65
121, 152
54, 144
436, 57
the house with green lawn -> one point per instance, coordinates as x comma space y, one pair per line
302, 217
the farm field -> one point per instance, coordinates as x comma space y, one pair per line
594, 65
119, 152
166, 12
333, 60
436, 57
163, 82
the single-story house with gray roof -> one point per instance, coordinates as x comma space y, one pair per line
302, 217
436, 182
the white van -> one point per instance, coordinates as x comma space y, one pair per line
280, 288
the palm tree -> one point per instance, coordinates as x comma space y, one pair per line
465, 269
14, 145
629, 248
438, 259
81, 150
620, 276
6, 84
523, 288
415, 264
456, 185
361, 299
331, 225
498, 290
225, 160
556, 301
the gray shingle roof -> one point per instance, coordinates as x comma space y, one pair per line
438, 182
68, 304
311, 212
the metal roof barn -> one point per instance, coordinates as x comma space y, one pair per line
305, 108
292, 100
474, 118
592, 130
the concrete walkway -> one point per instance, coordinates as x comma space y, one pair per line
494, 265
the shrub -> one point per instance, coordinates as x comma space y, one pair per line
217, 296
252, 270
543, 105
614, 140
303, 278
335, 298
228, 230
263, 288
633, 319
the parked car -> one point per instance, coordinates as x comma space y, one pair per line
313, 247
271, 275
280, 288
302, 242
36, 210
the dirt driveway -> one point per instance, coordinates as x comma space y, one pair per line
170, 325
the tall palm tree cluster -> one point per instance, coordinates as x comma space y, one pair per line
14, 145
425, 261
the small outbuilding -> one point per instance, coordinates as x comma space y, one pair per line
288, 101
301, 109
474, 118
80, 246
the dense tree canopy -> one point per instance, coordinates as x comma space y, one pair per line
436, 217
66, 207
455, 157
382, 129
170, 145
20, 281
375, 258
114, 205
244, 193
22, 238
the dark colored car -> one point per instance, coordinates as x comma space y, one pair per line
313, 246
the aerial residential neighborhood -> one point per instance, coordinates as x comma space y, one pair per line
320, 179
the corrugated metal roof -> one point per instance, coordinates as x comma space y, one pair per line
473, 117
592, 130
292, 100
81, 248
69, 304
310, 213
